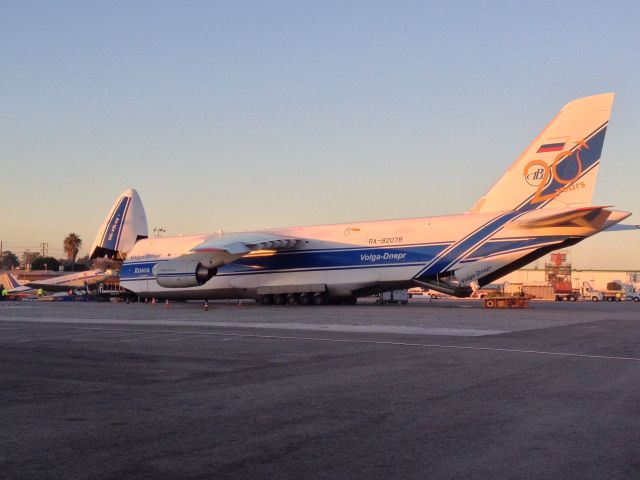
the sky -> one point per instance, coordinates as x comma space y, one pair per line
238, 115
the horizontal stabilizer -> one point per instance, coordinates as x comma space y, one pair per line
592, 217
621, 228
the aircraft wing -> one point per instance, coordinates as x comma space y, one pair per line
246, 242
200, 263
227, 247
73, 280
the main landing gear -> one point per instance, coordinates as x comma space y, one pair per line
306, 299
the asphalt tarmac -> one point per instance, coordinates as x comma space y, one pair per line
440, 390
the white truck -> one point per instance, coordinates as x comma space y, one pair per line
616, 292
635, 296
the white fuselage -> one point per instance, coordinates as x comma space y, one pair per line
351, 259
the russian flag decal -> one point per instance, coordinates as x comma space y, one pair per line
551, 147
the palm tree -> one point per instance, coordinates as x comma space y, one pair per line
72, 244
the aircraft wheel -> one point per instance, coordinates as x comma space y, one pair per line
320, 299
292, 299
609, 299
305, 298
266, 299
279, 299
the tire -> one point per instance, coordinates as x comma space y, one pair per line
305, 299
279, 299
320, 299
565, 299
636, 299
292, 299
574, 299
609, 299
595, 299
266, 299
490, 304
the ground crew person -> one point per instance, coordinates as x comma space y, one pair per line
40, 292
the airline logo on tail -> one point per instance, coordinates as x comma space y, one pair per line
562, 174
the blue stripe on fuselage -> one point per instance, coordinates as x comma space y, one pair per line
455, 252
308, 260
496, 247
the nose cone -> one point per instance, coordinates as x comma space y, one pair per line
125, 224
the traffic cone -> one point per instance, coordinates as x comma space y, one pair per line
153, 301
166, 303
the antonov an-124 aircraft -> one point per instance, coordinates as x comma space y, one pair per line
541, 203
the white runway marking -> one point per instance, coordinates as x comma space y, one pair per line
392, 329
378, 342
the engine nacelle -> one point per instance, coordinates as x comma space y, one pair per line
182, 273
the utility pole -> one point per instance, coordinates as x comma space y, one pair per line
44, 249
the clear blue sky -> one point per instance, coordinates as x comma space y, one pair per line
238, 115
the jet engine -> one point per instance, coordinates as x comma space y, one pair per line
182, 273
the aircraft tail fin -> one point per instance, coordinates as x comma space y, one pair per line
122, 228
559, 168
9, 281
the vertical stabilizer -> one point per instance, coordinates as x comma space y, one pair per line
9, 281
123, 227
560, 167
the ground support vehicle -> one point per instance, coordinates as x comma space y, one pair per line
634, 296
506, 301
393, 296
566, 296
616, 292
